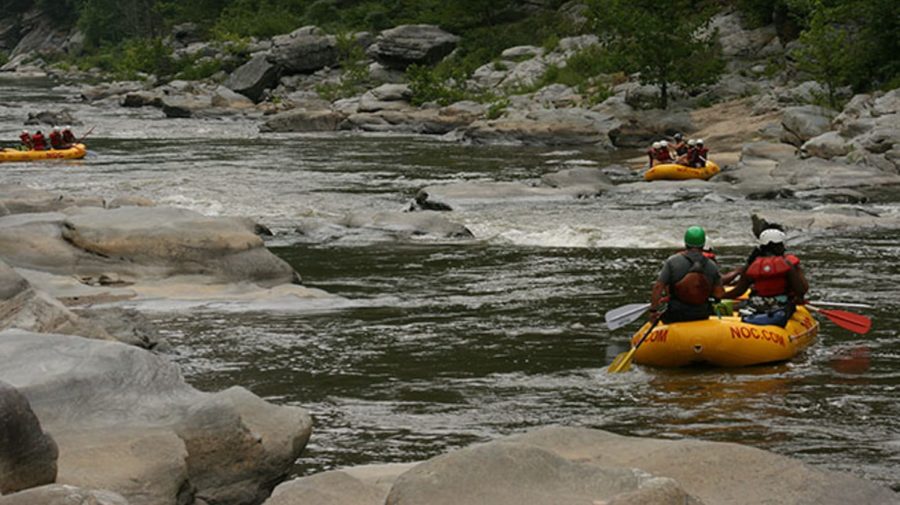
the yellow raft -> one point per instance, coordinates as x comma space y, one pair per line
725, 342
75, 152
676, 172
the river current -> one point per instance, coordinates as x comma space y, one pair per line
438, 344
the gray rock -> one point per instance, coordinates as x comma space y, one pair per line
126, 421
521, 52
62, 494
405, 45
28, 458
827, 145
301, 120
738, 42
16, 199
588, 177
254, 77
225, 98
142, 99
328, 488
407, 224
185, 106
127, 325
805, 122
304, 53
58, 118
547, 127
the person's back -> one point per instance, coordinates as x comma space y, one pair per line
702, 154
38, 142
68, 137
662, 154
775, 279
56, 141
690, 280
25, 138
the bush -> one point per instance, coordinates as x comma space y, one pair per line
429, 85
246, 18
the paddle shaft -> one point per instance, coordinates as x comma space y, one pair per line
623, 361
79, 141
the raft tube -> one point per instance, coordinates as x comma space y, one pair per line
75, 152
676, 172
725, 342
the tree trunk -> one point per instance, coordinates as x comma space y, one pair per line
664, 94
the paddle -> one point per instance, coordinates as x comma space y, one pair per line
81, 140
621, 316
843, 304
623, 361
857, 323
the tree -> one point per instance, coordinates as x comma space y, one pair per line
667, 43
828, 52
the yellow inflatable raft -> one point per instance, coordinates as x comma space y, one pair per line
676, 172
73, 153
725, 342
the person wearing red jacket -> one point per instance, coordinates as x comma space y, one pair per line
68, 137
56, 140
701, 155
775, 280
25, 137
38, 142
662, 154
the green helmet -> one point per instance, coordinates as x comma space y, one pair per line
694, 237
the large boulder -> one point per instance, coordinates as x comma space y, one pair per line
16, 199
28, 455
62, 494
805, 122
141, 243
254, 77
405, 45
125, 420
547, 127
827, 145
303, 120
304, 51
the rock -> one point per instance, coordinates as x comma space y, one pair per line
301, 120
385, 97
142, 99
407, 224
805, 122
225, 98
638, 128
22, 306
41, 35
106, 90
547, 127
737, 42
59, 118
126, 421
254, 77
327, 488
28, 458
524, 74
304, 52
513, 474
141, 244
557, 96
185, 106
827, 145
62, 494
127, 325
887, 104
518, 53
591, 178
405, 45
804, 93
16, 199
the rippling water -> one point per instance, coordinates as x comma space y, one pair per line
448, 343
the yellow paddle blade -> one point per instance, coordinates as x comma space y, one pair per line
622, 362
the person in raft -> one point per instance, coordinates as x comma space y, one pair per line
68, 137
775, 280
689, 280
56, 140
680, 147
38, 142
25, 138
663, 155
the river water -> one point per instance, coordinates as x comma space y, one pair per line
438, 344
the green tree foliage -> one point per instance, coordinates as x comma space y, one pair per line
666, 43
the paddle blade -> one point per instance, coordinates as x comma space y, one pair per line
857, 323
622, 362
624, 315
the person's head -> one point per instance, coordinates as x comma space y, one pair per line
772, 240
25, 132
38, 132
421, 196
700, 142
679, 137
664, 143
67, 128
692, 142
695, 236
56, 128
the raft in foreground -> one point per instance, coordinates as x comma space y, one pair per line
676, 172
725, 342
75, 152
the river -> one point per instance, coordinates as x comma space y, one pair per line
438, 344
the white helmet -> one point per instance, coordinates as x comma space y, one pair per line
771, 236
55, 128
664, 143
25, 132
699, 142
657, 145
67, 127
707, 246
692, 142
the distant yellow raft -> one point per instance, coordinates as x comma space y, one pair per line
73, 153
673, 171
725, 342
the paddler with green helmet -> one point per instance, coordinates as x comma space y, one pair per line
687, 282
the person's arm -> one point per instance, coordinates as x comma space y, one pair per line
797, 283
742, 285
729, 278
656, 296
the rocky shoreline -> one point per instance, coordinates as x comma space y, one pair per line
95, 413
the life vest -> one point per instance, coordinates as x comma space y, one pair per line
681, 148
769, 274
38, 142
68, 137
26, 139
695, 287
663, 155
56, 140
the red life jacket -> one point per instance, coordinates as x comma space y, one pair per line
56, 140
702, 154
38, 142
695, 287
769, 274
662, 154
26, 139
68, 137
